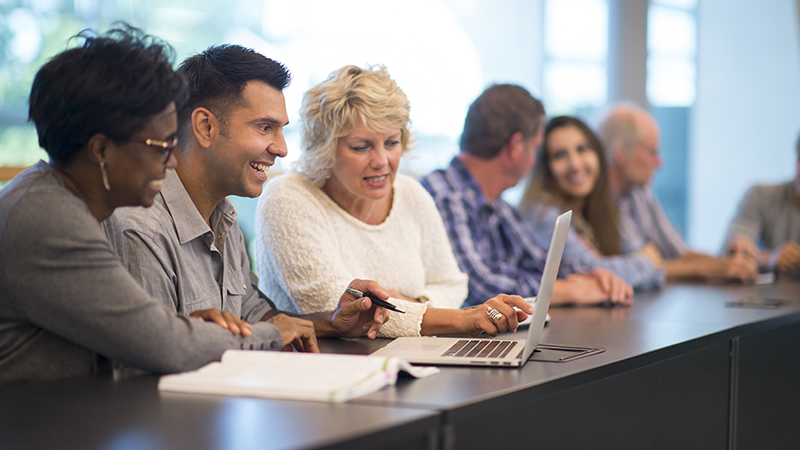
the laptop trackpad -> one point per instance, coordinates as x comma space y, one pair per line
416, 347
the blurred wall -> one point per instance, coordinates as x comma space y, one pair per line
747, 116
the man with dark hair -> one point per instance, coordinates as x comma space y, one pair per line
188, 249
631, 138
498, 113
105, 112
218, 76
491, 242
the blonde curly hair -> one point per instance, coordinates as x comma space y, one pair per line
349, 97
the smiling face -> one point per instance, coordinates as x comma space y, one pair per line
250, 143
136, 170
574, 164
365, 169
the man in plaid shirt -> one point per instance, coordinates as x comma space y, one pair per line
492, 243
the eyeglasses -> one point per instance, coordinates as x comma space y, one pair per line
166, 146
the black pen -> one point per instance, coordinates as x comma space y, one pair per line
375, 300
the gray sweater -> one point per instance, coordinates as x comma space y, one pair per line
767, 215
65, 297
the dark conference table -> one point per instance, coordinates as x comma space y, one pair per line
681, 370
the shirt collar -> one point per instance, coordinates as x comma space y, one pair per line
468, 183
189, 224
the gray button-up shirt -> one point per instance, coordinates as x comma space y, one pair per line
65, 297
768, 216
178, 259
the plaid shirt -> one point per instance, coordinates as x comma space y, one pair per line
645, 221
492, 243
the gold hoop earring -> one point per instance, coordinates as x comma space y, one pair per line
105, 176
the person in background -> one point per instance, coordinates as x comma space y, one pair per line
491, 241
105, 113
571, 173
187, 250
767, 225
631, 137
346, 212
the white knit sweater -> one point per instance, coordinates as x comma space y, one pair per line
308, 249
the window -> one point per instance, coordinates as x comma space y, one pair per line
671, 91
671, 50
574, 67
576, 50
442, 53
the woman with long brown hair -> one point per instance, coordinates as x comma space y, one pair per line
571, 172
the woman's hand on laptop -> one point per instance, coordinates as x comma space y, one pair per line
497, 315
483, 320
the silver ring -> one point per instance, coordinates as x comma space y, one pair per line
497, 315
494, 315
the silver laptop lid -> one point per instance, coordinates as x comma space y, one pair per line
551, 265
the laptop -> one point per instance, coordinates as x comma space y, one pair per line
489, 351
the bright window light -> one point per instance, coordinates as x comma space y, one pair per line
26, 37
442, 53
569, 86
576, 29
441, 76
672, 48
682, 4
670, 82
670, 31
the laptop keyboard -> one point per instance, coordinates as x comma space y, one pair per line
480, 348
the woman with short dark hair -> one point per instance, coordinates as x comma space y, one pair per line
105, 113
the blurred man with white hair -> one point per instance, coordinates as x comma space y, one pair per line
631, 137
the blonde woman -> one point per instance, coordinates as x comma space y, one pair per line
345, 212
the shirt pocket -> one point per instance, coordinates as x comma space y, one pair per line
235, 290
200, 291
194, 299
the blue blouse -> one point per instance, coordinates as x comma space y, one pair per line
634, 268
